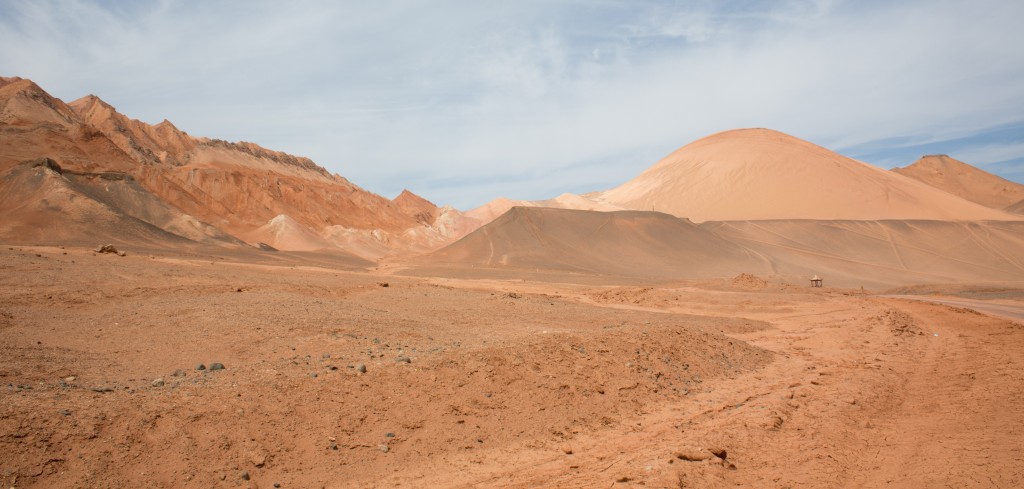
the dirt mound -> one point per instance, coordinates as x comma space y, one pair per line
964, 181
623, 243
750, 174
748, 281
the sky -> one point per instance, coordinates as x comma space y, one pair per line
465, 101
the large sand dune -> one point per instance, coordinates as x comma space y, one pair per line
753, 174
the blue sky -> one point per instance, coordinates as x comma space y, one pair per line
465, 101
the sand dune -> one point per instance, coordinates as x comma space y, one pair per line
753, 174
964, 181
874, 254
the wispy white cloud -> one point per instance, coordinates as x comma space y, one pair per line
463, 101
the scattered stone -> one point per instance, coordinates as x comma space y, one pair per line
245, 475
333, 446
693, 455
384, 448
70, 378
313, 374
851, 401
566, 448
403, 359
718, 452
107, 248
277, 484
383, 284
65, 412
158, 383
200, 367
389, 435
178, 373
623, 478
216, 366
100, 389
361, 368
325, 356
332, 368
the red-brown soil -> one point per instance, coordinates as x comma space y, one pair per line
508, 383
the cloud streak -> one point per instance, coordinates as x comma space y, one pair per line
462, 102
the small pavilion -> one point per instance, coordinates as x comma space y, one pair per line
816, 281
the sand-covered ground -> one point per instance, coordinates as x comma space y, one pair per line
489, 382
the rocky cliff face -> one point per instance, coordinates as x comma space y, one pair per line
239, 188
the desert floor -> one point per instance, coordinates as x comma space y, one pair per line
490, 383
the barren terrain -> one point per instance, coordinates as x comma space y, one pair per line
487, 382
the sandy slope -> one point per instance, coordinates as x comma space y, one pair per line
753, 174
623, 243
873, 254
1017, 208
508, 383
40, 205
964, 181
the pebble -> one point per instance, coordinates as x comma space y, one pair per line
200, 367
693, 455
389, 435
216, 366
384, 448
70, 378
333, 446
277, 484
101, 389
718, 452
361, 368
158, 383
566, 449
178, 373
403, 359
313, 375
245, 475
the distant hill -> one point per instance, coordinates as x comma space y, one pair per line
965, 181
